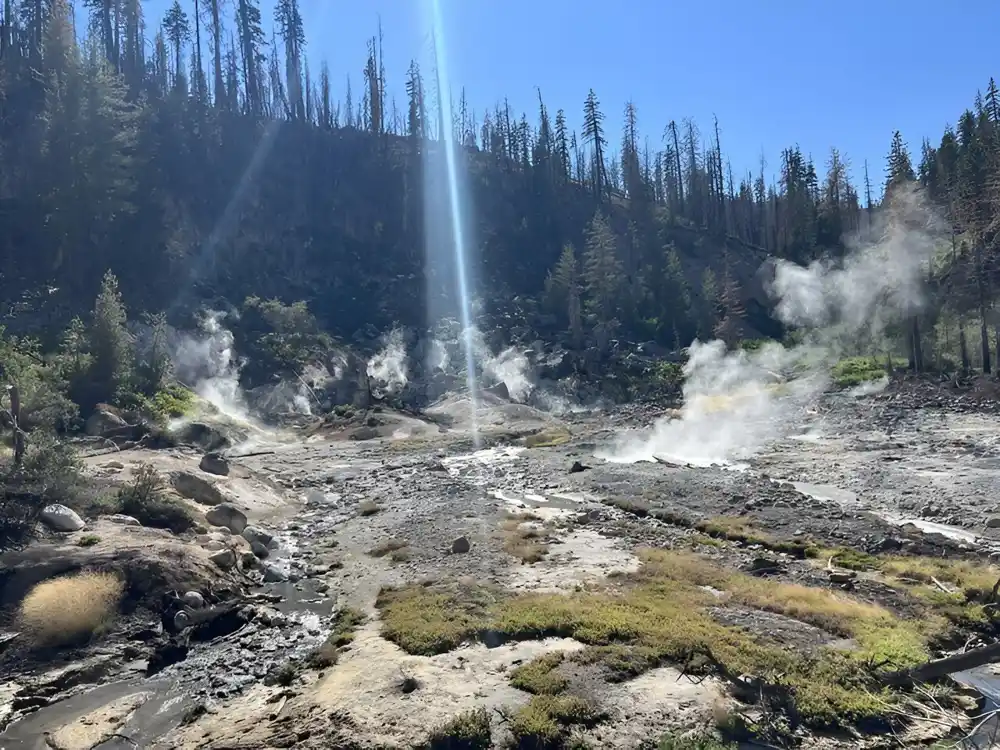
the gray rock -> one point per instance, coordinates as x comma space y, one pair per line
249, 560
228, 515
274, 574
460, 546
122, 519
364, 433
193, 599
225, 558
500, 390
214, 545
256, 534
198, 489
208, 437
993, 523
842, 576
259, 550
103, 422
60, 518
181, 620
214, 463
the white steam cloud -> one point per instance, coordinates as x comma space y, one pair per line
737, 402
208, 363
387, 369
510, 367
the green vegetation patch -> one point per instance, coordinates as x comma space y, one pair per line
467, 731
953, 588
539, 675
544, 722
853, 371
661, 615
742, 530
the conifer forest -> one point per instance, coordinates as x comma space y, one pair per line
198, 157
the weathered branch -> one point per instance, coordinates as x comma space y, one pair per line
937, 668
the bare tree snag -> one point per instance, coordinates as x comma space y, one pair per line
15, 418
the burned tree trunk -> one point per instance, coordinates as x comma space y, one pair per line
15, 418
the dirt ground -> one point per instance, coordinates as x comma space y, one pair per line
533, 513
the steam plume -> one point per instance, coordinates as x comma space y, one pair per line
387, 369
209, 363
737, 402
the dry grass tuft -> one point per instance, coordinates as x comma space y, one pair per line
70, 609
742, 530
525, 542
549, 437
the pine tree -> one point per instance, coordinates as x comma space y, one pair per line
603, 276
593, 133
178, 31
563, 291
110, 345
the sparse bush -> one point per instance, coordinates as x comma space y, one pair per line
467, 731
42, 385
49, 473
544, 723
144, 499
88, 540
853, 371
693, 742
282, 674
70, 609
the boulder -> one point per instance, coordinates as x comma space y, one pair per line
256, 534
60, 518
123, 520
500, 390
228, 515
214, 463
274, 574
224, 558
259, 550
193, 599
103, 423
194, 487
206, 436
460, 546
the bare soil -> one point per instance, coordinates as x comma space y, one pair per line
357, 513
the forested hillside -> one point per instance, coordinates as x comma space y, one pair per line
199, 157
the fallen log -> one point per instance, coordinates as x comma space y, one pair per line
938, 668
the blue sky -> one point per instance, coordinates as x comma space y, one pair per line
775, 72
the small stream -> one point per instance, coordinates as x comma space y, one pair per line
214, 670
